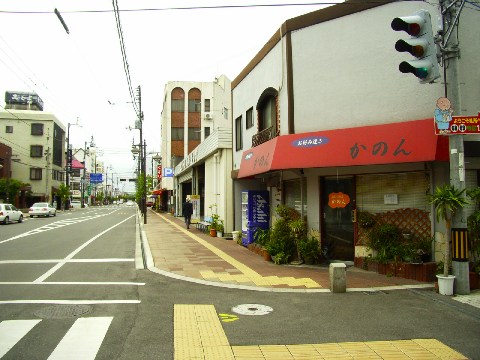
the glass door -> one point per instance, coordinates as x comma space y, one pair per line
337, 205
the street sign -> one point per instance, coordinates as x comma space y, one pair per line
459, 125
96, 178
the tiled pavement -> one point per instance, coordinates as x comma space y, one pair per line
194, 255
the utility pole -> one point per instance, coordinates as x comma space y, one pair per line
84, 180
143, 153
451, 10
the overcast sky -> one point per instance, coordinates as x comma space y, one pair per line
81, 74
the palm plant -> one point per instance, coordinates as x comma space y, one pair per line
447, 200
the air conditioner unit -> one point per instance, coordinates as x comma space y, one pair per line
208, 116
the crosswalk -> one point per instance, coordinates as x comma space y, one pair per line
81, 342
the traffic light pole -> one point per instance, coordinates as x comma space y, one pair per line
450, 53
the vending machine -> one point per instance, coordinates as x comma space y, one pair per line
255, 213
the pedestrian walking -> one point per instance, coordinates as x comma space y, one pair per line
187, 212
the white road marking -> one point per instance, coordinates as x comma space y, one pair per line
56, 225
11, 331
70, 302
49, 261
119, 283
83, 339
77, 250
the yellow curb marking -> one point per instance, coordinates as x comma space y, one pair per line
198, 334
249, 275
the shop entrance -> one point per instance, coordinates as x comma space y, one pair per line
337, 204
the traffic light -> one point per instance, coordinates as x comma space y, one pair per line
421, 45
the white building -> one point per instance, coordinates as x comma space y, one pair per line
324, 120
196, 147
37, 140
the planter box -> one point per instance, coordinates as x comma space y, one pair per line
424, 272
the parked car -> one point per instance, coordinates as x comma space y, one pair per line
42, 209
77, 204
9, 213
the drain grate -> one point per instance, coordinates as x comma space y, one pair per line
63, 311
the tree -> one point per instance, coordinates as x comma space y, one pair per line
447, 200
9, 188
64, 193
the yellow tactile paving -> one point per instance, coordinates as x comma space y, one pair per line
249, 275
198, 334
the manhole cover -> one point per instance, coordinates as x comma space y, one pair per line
63, 311
252, 309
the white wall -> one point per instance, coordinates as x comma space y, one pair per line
353, 78
246, 95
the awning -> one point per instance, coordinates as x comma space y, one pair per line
157, 192
406, 142
77, 164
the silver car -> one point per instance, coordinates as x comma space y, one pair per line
42, 209
9, 213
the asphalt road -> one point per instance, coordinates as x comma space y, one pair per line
69, 284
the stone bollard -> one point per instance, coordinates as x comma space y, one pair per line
338, 277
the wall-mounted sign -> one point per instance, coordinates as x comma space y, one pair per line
338, 200
168, 172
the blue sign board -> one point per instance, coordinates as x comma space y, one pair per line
167, 172
96, 178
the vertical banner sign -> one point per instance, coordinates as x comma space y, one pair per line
195, 200
260, 212
159, 172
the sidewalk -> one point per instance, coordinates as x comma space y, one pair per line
192, 255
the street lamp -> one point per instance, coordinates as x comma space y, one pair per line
69, 162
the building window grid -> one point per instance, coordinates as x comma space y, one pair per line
36, 151
37, 129
9, 129
249, 118
35, 174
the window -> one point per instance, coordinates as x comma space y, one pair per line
207, 105
194, 105
37, 129
35, 174
178, 105
249, 118
177, 133
207, 131
9, 129
238, 134
36, 150
293, 194
194, 133
225, 113
268, 112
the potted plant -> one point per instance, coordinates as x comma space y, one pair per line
309, 248
447, 200
220, 228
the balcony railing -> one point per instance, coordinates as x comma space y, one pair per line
263, 136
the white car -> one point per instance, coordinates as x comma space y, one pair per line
130, 203
9, 213
42, 209
77, 204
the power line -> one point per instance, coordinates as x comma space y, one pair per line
124, 56
185, 8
